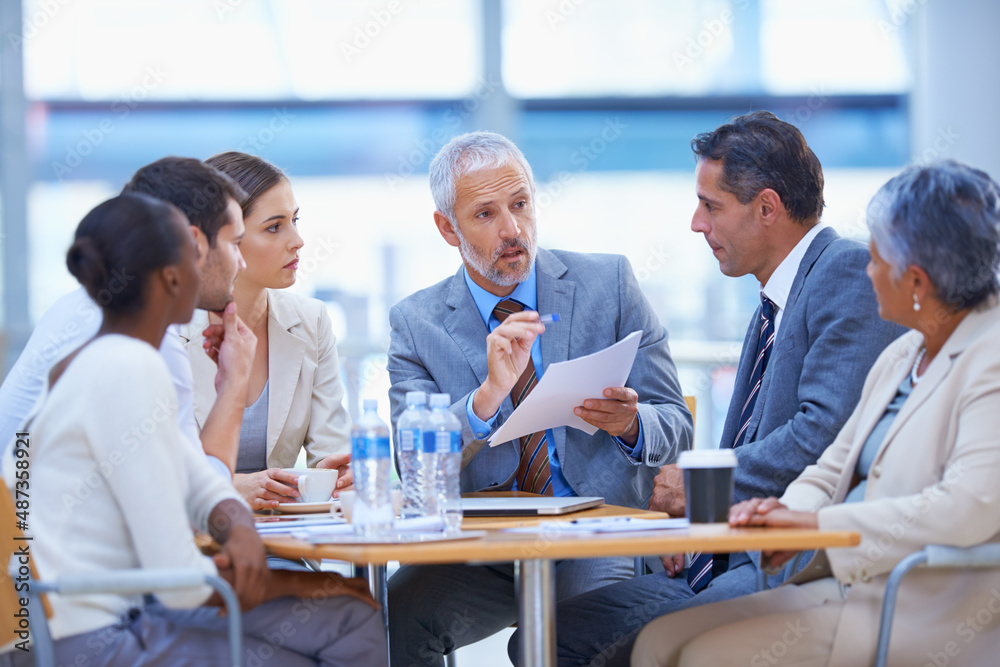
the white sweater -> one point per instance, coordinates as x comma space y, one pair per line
113, 483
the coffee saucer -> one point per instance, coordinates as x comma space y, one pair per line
306, 508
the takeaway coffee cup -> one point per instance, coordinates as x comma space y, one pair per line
316, 485
708, 484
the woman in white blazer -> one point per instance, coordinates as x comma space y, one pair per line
295, 396
916, 464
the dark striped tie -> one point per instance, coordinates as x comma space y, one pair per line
764, 344
702, 564
533, 469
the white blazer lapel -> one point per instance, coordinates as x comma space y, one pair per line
939, 368
284, 365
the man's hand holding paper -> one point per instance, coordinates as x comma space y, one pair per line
565, 396
617, 413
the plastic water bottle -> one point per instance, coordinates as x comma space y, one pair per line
427, 469
410, 431
446, 432
372, 459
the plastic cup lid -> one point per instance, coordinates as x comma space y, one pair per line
707, 458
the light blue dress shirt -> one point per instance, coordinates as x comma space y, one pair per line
526, 293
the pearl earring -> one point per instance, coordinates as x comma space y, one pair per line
916, 303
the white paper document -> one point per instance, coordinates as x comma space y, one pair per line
565, 385
300, 523
604, 525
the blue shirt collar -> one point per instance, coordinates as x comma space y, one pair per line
525, 292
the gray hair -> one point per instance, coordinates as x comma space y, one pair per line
945, 218
466, 154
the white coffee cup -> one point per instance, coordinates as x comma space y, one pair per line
315, 485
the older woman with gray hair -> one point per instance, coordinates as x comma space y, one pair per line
916, 464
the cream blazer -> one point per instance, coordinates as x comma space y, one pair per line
934, 480
305, 394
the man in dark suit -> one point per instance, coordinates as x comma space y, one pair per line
807, 351
477, 337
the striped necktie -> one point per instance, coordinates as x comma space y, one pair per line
765, 342
533, 468
702, 565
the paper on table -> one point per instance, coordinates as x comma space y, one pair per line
289, 526
565, 385
604, 525
331, 529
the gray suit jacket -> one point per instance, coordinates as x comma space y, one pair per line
438, 344
830, 336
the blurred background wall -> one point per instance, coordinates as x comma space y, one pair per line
354, 98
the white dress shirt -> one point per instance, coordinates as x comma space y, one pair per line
69, 323
779, 285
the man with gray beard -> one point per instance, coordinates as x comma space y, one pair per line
477, 336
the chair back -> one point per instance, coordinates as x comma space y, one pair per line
692, 403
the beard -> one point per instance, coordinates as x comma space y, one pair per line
216, 289
487, 267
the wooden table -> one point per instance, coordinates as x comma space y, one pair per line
535, 553
501, 522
